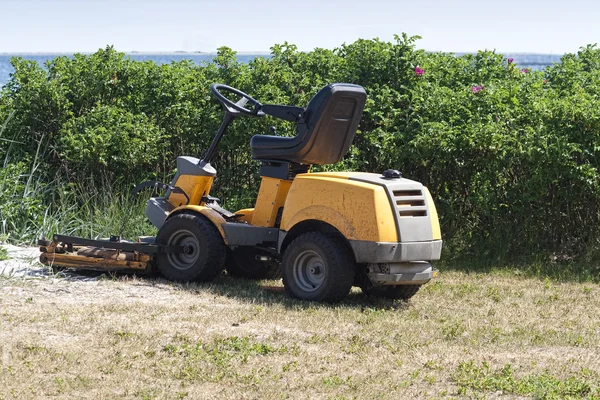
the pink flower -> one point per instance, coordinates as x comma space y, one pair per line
525, 70
476, 89
510, 60
419, 71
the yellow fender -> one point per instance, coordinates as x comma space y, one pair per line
325, 214
213, 216
359, 210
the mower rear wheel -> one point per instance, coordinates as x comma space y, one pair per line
241, 262
318, 266
399, 292
204, 255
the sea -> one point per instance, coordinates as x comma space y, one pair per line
523, 60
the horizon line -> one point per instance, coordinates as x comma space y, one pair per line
259, 53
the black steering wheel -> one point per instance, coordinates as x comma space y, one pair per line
237, 108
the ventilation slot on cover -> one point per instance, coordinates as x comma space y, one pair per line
410, 203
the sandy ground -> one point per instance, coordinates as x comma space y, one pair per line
23, 263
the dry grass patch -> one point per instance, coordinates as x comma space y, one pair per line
465, 335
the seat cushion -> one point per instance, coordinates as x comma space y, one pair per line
326, 132
262, 143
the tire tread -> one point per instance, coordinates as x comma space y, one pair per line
343, 266
216, 250
398, 292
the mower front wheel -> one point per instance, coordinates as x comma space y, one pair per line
204, 251
318, 266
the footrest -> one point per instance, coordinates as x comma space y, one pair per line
225, 213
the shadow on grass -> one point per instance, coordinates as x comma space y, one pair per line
273, 293
265, 292
540, 268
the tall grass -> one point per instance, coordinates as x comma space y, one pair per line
81, 213
33, 205
93, 213
31, 209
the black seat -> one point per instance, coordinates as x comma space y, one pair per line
325, 132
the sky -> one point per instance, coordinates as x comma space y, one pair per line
509, 26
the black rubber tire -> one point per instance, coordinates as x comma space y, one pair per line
241, 262
208, 250
399, 292
329, 256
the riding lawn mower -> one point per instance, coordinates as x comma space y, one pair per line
322, 232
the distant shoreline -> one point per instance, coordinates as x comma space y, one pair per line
240, 53
141, 53
533, 61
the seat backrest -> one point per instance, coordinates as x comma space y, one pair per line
331, 119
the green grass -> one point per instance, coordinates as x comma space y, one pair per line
473, 378
538, 266
3, 254
95, 213
85, 211
33, 205
464, 335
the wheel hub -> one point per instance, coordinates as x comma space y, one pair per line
190, 254
309, 270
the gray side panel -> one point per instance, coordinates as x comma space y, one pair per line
157, 210
416, 273
189, 166
192, 166
374, 252
239, 234
410, 205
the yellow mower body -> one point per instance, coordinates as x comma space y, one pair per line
322, 232
357, 208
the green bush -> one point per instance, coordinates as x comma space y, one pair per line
510, 155
109, 141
